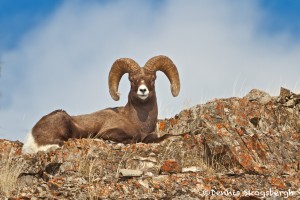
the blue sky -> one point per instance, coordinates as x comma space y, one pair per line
281, 15
57, 54
18, 17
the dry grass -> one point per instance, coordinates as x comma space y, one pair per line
10, 169
197, 155
92, 180
90, 171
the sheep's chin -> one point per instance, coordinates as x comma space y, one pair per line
143, 97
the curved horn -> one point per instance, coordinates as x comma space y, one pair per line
165, 64
118, 69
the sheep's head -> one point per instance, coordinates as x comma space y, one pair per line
142, 84
143, 79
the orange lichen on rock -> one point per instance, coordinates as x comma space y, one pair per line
161, 126
170, 166
173, 121
277, 182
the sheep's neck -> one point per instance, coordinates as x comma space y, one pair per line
143, 114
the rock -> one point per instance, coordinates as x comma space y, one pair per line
52, 168
145, 164
9, 148
285, 92
258, 95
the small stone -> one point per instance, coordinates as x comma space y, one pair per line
52, 168
67, 166
266, 99
118, 146
144, 183
290, 110
255, 121
107, 179
130, 172
148, 159
125, 189
227, 111
290, 103
152, 154
27, 180
191, 169
149, 174
160, 178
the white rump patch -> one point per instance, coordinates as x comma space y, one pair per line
30, 146
143, 92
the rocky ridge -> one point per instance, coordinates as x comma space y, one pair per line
235, 148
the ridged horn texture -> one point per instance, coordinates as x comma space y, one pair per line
166, 65
118, 69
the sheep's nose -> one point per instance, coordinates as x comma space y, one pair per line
143, 90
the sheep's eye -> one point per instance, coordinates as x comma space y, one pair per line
134, 82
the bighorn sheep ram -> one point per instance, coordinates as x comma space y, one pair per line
135, 122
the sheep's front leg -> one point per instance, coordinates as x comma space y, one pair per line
120, 135
153, 138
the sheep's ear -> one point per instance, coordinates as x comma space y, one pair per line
166, 65
130, 77
154, 76
118, 69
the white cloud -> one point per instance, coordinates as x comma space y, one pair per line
217, 46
